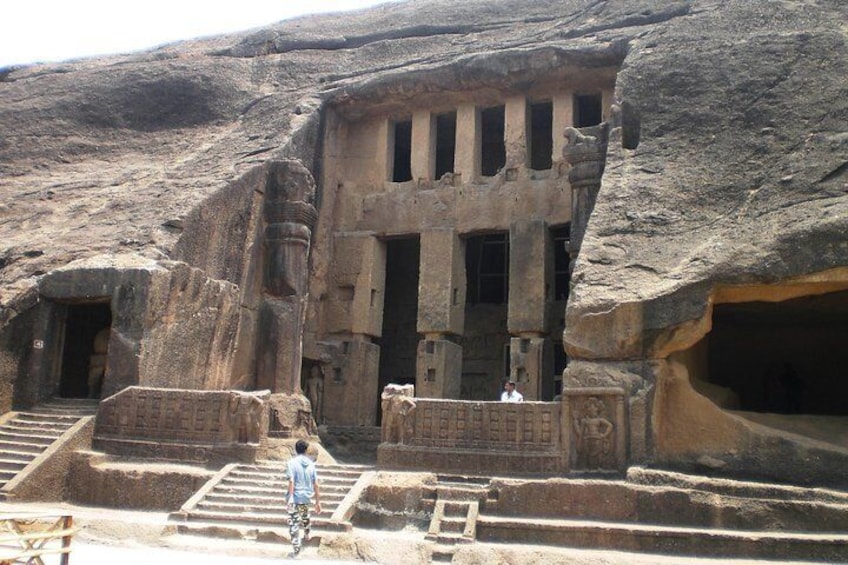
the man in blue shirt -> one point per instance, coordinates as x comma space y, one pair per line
303, 485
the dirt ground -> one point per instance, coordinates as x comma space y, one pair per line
141, 538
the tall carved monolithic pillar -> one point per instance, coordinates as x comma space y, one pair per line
586, 152
290, 215
531, 272
441, 314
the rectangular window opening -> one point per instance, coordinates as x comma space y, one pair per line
562, 261
445, 143
588, 110
541, 136
402, 159
493, 147
487, 267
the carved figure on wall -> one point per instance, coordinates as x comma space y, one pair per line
97, 363
398, 402
315, 393
594, 435
246, 416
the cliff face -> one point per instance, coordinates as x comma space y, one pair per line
727, 172
738, 176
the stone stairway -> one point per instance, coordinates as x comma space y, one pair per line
671, 513
650, 512
249, 501
27, 434
455, 514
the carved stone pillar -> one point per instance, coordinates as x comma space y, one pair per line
438, 371
585, 151
289, 217
531, 360
351, 389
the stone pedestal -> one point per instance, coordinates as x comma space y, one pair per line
438, 369
531, 360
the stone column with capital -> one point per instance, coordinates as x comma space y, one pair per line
531, 280
290, 215
586, 152
441, 314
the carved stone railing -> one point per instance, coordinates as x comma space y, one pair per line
182, 425
454, 435
585, 432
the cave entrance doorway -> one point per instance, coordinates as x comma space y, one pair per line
785, 357
399, 340
84, 350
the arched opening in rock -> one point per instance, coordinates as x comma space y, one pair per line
84, 350
786, 357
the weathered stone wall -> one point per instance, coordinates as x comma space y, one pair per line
16, 348
189, 313
96, 479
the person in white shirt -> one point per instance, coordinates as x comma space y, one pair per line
509, 393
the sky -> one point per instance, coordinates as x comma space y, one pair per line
57, 30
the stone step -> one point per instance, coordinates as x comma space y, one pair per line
452, 525
67, 407
16, 456
262, 483
337, 481
36, 417
10, 462
247, 498
258, 474
272, 519
47, 428
254, 532
733, 487
450, 538
456, 508
22, 447
251, 500
30, 438
238, 509
263, 469
249, 489
442, 553
460, 493
703, 542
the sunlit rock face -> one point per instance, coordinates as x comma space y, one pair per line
144, 181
